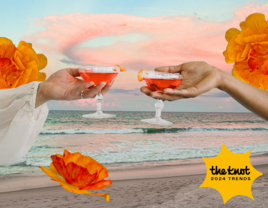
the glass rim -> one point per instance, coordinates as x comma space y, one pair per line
99, 69
161, 75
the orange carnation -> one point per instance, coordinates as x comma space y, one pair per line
77, 173
248, 49
19, 65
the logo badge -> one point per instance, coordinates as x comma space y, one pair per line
230, 174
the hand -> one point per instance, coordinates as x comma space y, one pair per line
197, 78
62, 85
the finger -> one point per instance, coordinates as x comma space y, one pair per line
75, 92
169, 69
89, 93
107, 87
188, 92
73, 72
203, 86
145, 90
84, 85
162, 96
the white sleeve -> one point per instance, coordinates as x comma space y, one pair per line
20, 122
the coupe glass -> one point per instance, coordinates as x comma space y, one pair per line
158, 81
99, 74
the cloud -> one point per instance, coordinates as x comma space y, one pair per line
135, 42
163, 40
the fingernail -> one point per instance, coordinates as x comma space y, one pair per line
103, 84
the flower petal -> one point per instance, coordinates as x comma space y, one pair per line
59, 164
87, 162
230, 33
23, 43
7, 51
24, 76
243, 25
12, 77
19, 63
255, 38
256, 22
53, 169
34, 74
41, 76
52, 174
231, 51
246, 52
255, 62
73, 189
5, 41
26, 51
42, 61
4, 62
240, 37
98, 185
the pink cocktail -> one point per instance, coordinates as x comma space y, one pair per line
158, 81
161, 84
97, 77
99, 74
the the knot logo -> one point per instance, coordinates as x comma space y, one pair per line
231, 174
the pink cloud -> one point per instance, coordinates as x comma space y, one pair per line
168, 40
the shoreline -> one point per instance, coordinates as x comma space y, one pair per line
18, 182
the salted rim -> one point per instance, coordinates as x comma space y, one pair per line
161, 75
99, 69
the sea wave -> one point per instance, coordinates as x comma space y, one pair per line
144, 130
145, 154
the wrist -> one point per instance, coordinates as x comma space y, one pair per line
222, 80
41, 97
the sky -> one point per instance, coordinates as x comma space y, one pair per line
135, 34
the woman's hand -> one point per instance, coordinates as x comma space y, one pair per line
200, 77
197, 78
62, 85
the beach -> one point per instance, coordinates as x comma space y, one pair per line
150, 166
158, 189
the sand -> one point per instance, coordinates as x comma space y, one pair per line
180, 191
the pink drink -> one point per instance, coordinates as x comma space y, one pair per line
98, 77
161, 84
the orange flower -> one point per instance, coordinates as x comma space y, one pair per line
19, 65
248, 49
77, 173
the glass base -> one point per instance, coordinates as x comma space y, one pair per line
157, 121
99, 115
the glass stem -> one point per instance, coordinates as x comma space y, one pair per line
158, 106
98, 100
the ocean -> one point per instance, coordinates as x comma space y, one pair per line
125, 141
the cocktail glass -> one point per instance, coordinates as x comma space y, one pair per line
99, 74
158, 81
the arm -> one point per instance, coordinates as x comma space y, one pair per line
200, 77
252, 98
23, 111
